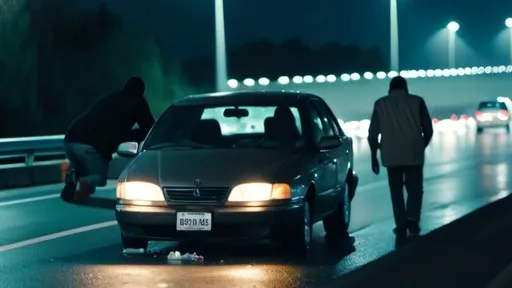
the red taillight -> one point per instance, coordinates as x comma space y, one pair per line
464, 117
478, 114
435, 120
454, 117
504, 113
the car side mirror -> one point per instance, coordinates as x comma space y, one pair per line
329, 142
128, 149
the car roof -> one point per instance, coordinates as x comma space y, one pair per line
248, 98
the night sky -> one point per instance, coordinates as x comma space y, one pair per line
185, 28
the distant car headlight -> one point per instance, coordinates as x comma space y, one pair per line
254, 192
139, 191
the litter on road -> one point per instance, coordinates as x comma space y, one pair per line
175, 256
129, 251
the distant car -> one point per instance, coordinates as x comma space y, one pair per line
492, 114
238, 166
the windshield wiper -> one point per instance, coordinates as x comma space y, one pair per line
176, 145
268, 145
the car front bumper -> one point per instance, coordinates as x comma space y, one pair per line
228, 222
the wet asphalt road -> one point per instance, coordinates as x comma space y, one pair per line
463, 173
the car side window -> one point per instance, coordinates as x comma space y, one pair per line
318, 127
328, 128
329, 119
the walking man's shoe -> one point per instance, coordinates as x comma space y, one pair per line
413, 227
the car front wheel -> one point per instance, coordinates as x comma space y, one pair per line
338, 222
300, 240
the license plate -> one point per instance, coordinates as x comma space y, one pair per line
194, 221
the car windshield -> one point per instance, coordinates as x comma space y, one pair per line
196, 127
493, 105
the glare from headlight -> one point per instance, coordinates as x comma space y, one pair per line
255, 192
139, 191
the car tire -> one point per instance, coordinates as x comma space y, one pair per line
337, 223
479, 130
507, 129
301, 238
134, 243
353, 182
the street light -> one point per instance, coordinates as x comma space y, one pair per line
508, 23
452, 27
393, 15
221, 73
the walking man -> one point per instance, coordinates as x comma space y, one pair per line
403, 122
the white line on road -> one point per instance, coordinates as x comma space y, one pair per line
45, 197
373, 185
57, 235
25, 200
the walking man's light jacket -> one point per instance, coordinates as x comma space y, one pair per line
405, 126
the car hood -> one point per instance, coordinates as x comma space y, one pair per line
214, 168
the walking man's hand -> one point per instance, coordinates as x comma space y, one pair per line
375, 165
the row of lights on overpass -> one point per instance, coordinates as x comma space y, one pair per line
284, 80
452, 26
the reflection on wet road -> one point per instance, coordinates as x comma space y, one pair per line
463, 172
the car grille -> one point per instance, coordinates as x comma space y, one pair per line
189, 194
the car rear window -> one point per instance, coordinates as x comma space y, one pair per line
492, 105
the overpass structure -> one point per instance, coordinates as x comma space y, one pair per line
352, 95
452, 95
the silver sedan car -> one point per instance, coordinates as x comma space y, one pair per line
242, 166
492, 114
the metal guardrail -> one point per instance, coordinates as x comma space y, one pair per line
33, 161
28, 151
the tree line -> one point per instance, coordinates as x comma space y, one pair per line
290, 58
54, 63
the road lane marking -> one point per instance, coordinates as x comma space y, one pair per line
57, 235
31, 199
46, 197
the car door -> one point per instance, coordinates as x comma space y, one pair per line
326, 160
343, 153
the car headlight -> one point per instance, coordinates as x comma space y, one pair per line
139, 191
250, 192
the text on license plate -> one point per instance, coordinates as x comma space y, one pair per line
194, 221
